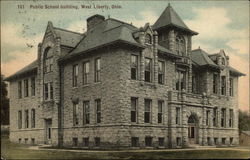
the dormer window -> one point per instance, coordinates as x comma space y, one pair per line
180, 46
148, 39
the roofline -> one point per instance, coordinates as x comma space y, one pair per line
123, 22
171, 24
98, 47
69, 31
15, 76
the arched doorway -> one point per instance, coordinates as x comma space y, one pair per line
193, 129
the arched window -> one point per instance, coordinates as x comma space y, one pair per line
148, 39
180, 46
48, 60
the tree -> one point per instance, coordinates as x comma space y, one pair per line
4, 103
244, 121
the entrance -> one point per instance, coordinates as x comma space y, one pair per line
48, 130
192, 130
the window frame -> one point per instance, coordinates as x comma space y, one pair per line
26, 87
76, 116
215, 83
33, 86
223, 86
134, 67
134, 110
75, 73
98, 111
97, 69
178, 116
19, 89
146, 112
86, 112
231, 87
160, 111
20, 118
26, 118
86, 72
33, 118
148, 70
161, 72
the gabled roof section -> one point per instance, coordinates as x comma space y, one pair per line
105, 33
68, 38
235, 71
27, 69
201, 58
170, 18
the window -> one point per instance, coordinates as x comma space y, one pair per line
75, 75
33, 118
223, 141
180, 46
180, 80
51, 90
33, 141
207, 118
134, 67
48, 60
97, 141
231, 115
223, 117
148, 69
223, 62
19, 119
86, 112
98, 110
75, 114
19, 89
195, 83
231, 140
75, 142
231, 87
85, 72
46, 91
147, 113
97, 69
26, 115
19, 140
223, 85
33, 86
208, 141
26, 140
148, 39
161, 72
178, 118
215, 83
135, 141
216, 141
86, 142
148, 141
160, 111
215, 118
161, 141
178, 141
26, 88
133, 109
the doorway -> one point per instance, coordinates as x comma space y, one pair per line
48, 131
192, 130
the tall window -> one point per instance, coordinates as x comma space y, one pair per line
215, 83
178, 116
135, 141
19, 119
75, 75
97, 69
86, 112
26, 88
231, 115
223, 85
85, 72
148, 141
223, 117
33, 86
215, 118
231, 87
26, 115
148, 69
147, 112
180, 80
33, 118
134, 66
207, 117
98, 110
161, 72
51, 90
180, 46
48, 60
195, 83
160, 111
19, 89
46, 91
75, 114
133, 109
148, 39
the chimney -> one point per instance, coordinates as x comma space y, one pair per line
94, 20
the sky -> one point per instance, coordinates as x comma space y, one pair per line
220, 24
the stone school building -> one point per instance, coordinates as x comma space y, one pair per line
119, 86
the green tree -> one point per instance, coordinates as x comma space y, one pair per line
4, 103
244, 121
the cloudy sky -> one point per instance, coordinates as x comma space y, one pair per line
221, 25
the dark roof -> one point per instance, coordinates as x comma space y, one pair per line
27, 69
201, 58
107, 32
166, 51
170, 18
235, 71
68, 38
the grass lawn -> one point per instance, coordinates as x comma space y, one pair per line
16, 151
